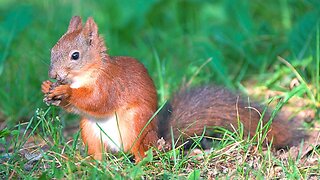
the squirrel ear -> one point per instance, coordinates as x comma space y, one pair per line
90, 29
75, 24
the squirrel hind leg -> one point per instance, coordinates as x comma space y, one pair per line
92, 142
143, 144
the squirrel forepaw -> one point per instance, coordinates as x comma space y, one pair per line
59, 92
55, 92
46, 86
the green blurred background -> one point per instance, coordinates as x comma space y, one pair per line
171, 38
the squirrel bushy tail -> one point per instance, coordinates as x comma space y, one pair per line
192, 109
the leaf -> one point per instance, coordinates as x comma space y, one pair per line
43, 176
147, 159
195, 174
135, 172
4, 133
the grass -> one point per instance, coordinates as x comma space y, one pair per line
51, 155
236, 45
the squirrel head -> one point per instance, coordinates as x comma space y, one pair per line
79, 48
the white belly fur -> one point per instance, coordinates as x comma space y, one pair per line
108, 131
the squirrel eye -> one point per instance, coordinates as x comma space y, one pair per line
75, 56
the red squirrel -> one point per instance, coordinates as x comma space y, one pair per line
116, 97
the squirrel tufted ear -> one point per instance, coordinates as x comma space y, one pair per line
90, 29
75, 24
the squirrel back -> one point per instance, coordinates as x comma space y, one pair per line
192, 109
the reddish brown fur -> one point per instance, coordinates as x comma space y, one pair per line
114, 85
93, 143
192, 109
132, 97
122, 86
